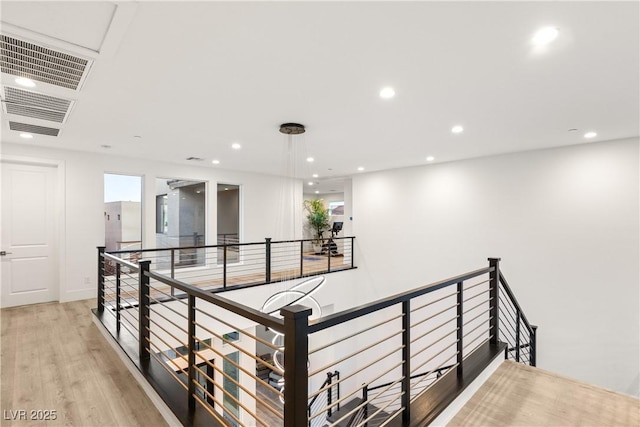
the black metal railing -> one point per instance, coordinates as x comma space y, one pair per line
387, 351
515, 329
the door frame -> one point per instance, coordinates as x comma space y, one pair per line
60, 210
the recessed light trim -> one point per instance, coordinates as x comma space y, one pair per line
544, 36
26, 135
25, 82
310, 159
236, 146
387, 93
310, 183
430, 158
315, 175
317, 192
215, 161
590, 135
457, 129
360, 168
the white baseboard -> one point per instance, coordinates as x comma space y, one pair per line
81, 294
157, 401
454, 407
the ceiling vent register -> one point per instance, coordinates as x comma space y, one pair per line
35, 105
25, 59
40, 130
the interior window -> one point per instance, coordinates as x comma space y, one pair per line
122, 200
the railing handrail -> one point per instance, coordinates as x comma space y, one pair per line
515, 303
353, 313
120, 261
222, 245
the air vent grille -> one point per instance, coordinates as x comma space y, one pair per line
36, 105
39, 63
195, 159
40, 130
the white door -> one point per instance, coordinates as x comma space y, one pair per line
28, 253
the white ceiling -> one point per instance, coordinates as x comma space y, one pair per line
192, 78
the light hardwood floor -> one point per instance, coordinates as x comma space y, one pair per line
519, 395
54, 358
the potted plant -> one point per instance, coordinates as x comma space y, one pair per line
318, 221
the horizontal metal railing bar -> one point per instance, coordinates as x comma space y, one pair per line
372, 416
478, 346
434, 301
355, 333
114, 289
171, 360
229, 395
477, 305
169, 297
476, 328
357, 371
436, 355
210, 410
505, 313
154, 301
477, 316
475, 296
247, 312
220, 404
435, 371
166, 367
135, 334
240, 349
249, 374
235, 328
522, 346
108, 255
432, 343
358, 351
343, 316
415, 386
476, 285
419, 322
182, 343
243, 388
220, 246
343, 398
514, 301
433, 329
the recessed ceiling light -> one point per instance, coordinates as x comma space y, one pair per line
236, 146
317, 192
457, 129
226, 188
544, 36
310, 183
387, 93
589, 135
360, 169
315, 175
310, 159
430, 159
26, 135
215, 161
23, 81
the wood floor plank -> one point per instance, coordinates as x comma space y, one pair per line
519, 395
54, 358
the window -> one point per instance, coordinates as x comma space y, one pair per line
122, 196
231, 387
336, 208
180, 218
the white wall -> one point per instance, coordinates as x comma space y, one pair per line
565, 223
84, 205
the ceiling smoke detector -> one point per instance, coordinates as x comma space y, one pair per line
292, 128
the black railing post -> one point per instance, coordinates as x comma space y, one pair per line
173, 269
101, 278
267, 268
296, 375
352, 252
118, 296
494, 282
459, 326
143, 311
301, 258
329, 377
518, 334
533, 346
328, 257
191, 346
224, 266
406, 363
365, 398
337, 375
